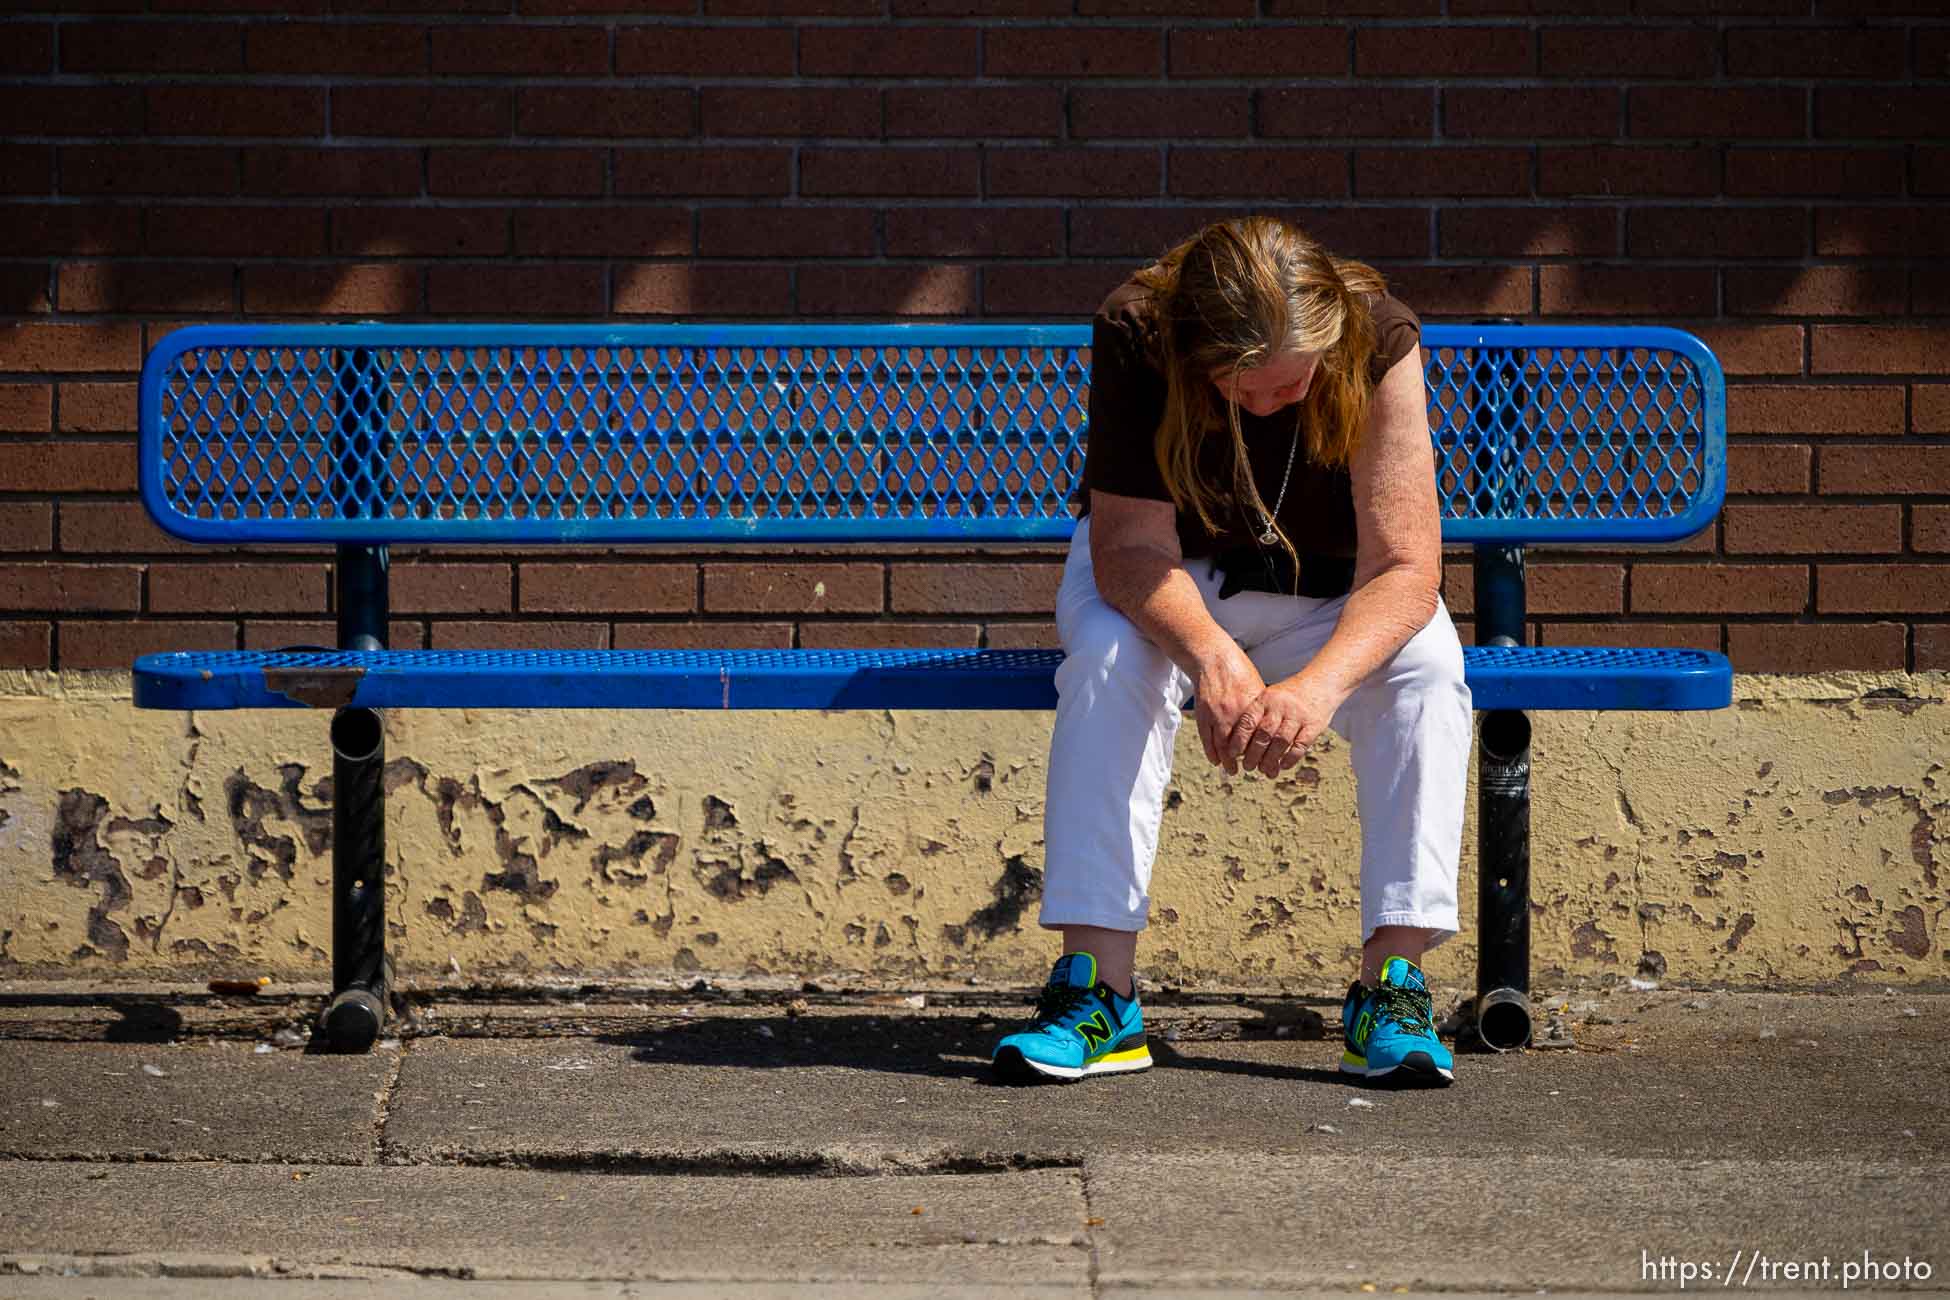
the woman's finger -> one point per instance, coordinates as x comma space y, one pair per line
1272, 756
1214, 735
1302, 742
1286, 743
1242, 733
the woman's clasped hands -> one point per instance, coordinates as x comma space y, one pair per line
1243, 722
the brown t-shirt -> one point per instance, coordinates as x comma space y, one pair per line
1127, 399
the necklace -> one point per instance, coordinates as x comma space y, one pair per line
1267, 536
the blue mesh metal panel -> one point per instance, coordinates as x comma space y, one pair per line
1499, 677
1575, 434
524, 433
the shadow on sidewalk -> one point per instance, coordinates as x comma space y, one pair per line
145, 1018
937, 1046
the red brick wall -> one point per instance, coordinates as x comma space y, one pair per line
1769, 173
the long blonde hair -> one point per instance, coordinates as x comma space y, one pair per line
1238, 294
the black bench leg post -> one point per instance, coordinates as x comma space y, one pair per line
1503, 879
361, 970
1502, 820
359, 966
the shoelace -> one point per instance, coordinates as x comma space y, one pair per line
1057, 1001
1411, 1010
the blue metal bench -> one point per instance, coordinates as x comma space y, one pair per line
365, 436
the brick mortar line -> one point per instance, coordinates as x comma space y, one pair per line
869, 82
1038, 618
1675, 22
137, 79
1034, 618
441, 201
971, 201
996, 260
999, 261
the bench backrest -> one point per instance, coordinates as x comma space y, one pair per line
375, 433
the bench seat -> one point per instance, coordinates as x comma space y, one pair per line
1500, 677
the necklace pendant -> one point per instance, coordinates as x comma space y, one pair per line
1267, 538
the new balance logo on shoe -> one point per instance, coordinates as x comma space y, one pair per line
1095, 1029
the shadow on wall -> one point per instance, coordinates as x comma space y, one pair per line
559, 263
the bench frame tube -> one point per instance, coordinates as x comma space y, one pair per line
1502, 820
1500, 413
361, 969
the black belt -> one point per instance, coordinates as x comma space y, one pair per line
1270, 569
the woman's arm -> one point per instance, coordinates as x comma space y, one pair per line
1397, 578
1398, 554
1140, 572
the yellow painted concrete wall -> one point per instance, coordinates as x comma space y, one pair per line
1800, 837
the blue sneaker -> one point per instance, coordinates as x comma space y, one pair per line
1081, 1027
1390, 1030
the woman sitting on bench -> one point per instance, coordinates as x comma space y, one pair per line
1260, 532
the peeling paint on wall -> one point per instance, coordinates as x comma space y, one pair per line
250, 805
1019, 886
82, 860
1799, 838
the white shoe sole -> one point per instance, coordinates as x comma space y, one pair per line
1114, 1063
1353, 1070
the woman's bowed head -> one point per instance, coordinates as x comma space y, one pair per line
1260, 535
1256, 316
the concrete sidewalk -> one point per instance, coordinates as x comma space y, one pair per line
746, 1146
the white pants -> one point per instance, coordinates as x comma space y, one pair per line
1120, 704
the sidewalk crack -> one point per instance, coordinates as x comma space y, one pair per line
382, 1147
1090, 1225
